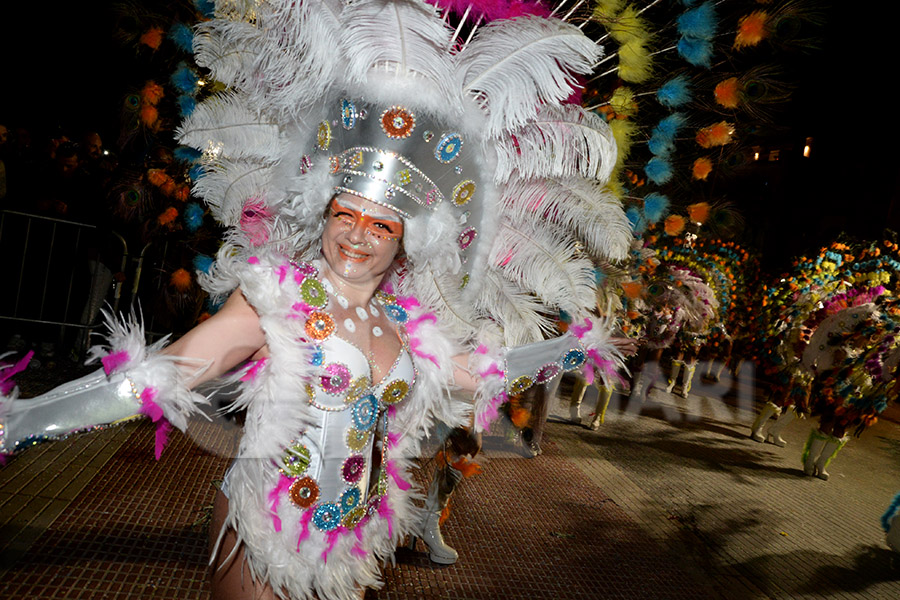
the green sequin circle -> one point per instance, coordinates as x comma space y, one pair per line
520, 384
295, 460
313, 293
356, 440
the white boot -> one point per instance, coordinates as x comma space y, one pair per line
755, 430
636, 385
442, 486
812, 450
673, 376
687, 379
831, 448
774, 433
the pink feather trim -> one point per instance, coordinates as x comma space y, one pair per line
6, 383
385, 512
254, 370
114, 360
394, 472
304, 526
284, 483
580, 330
155, 412
332, 537
414, 344
392, 439
253, 260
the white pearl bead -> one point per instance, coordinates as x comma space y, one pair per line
361, 312
377, 332
349, 325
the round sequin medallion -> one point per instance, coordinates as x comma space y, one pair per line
365, 412
295, 460
573, 359
356, 440
352, 518
348, 114
327, 516
448, 147
336, 378
520, 384
463, 192
397, 122
352, 469
547, 372
319, 326
467, 237
395, 392
358, 387
396, 313
312, 293
304, 492
350, 499
323, 135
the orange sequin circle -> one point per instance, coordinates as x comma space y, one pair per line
304, 492
319, 326
397, 122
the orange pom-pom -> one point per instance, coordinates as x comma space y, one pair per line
168, 216
699, 212
719, 134
182, 193
467, 467
157, 177
152, 93
203, 316
153, 37
632, 289
149, 115
674, 224
181, 280
702, 168
751, 29
726, 92
168, 187
519, 416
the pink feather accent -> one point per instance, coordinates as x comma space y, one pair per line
254, 370
385, 512
492, 370
254, 221
491, 411
282, 271
153, 410
392, 439
6, 383
394, 472
332, 537
114, 360
284, 483
481, 349
408, 302
253, 260
413, 324
304, 526
580, 330
414, 344
358, 551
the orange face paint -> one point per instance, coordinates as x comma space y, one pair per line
379, 225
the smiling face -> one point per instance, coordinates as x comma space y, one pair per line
361, 238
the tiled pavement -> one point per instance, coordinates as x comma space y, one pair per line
676, 502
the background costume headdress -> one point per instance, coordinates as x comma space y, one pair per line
500, 181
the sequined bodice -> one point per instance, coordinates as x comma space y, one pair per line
336, 464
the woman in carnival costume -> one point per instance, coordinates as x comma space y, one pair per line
400, 210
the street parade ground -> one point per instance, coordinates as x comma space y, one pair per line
668, 499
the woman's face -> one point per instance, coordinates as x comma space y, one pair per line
361, 238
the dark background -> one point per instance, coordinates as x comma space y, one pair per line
63, 69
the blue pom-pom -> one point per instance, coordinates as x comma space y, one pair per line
203, 263
674, 93
186, 104
187, 154
185, 79
207, 8
669, 126
655, 206
193, 216
696, 52
564, 316
196, 172
699, 23
182, 36
638, 225
660, 146
659, 170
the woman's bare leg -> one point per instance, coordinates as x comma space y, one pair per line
231, 579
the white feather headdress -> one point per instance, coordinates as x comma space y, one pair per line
504, 257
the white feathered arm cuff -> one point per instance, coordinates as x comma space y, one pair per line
511, 371
135, 380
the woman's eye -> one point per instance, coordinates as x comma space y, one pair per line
384, 227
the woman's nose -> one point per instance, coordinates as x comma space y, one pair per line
357, 232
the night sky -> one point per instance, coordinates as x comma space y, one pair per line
851, 183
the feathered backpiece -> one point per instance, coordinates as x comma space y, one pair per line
461, 125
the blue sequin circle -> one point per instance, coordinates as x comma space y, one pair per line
448, 147
396, 313
350, 499
365, 412
573, 359
327, 516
